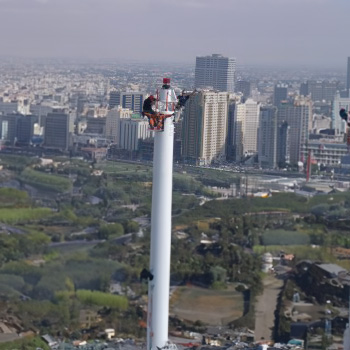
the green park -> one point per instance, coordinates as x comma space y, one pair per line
61, 247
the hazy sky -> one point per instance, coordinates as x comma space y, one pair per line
254, 31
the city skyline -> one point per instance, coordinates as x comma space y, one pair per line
254, 32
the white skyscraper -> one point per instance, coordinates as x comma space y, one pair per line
205, 127
298, 116
246, 128
338, 124
113, 122
216, 72
131, 131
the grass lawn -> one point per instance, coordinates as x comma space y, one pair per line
213, 307
69, 248
122, 168
285, 237
18, 215
25, 343
46, 182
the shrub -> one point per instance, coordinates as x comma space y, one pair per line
102, 299
46, 181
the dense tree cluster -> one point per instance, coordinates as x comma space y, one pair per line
220, 242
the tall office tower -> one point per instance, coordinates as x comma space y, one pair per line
243, 87
131, 100
304, 89
348, 78
280, 94
178, 141
146, 148
329, 89
204, 127
246, 128
283, 142
58, 131
267, 139
319, 90
114, 99
338, 124
8, 107
216, 72
8, 127
315, 90
113, 122
25, 128
230, 140
298, 115
132, 130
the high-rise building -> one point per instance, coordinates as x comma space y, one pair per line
329, 89
267, 140
315, 89
348, 78
146, 148
338, 124
8, 127
113, 122
114, 99
17, 128
304, 89
243, 87
280, 94
178, 140
298, 116
246, 128
283, 143
131, 100
204, 127
8, 107
319, 90
216, 72
230, 140
25, 128
132, 130
58, 130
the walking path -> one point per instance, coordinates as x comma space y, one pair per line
265, 308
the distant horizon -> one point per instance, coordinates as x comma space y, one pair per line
116, 60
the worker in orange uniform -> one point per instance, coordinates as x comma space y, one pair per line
148, 111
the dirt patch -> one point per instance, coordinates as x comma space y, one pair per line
213, 307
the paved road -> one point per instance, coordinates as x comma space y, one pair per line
265, 308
